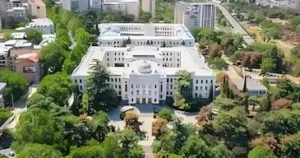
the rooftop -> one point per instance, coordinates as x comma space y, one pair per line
2, 86
40, 22
189, 60
143, 31
252, 84
34, 56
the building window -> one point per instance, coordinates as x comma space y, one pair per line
116, 86
155, 86
196, 95
171, 93
131, 85
80, 87
80, 81
206, 81
167, 80
200, 87
119, 86
205, 88
131, 99
171, 80
196, 88
171, 86
149, 92
211, 81
119, 92
119, 80
201, 81
137, 92
131, 92
75, 81
112, 80
167, 93
196, 81
155, 100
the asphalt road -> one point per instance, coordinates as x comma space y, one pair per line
237, 28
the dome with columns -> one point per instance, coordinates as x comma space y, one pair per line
145, 67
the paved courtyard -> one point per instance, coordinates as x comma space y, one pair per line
146, 116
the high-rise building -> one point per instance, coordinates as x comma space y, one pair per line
195, 15
75, 5
149, 6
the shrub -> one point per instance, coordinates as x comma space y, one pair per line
4, 115
165, 114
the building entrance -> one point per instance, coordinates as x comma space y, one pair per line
144, 100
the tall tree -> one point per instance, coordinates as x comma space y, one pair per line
39, 151
17, 85
101, 95
52, 57
261, 152
58, 86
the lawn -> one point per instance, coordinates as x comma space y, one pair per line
285, 47
217, 71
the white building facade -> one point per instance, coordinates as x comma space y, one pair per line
75, 5
293, 4
127, 7
147, 73
170, 35
45, 25
195, 15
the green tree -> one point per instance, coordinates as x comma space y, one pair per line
40, 101
74, 24
4, 115
58, 86
261, 152
183, 93
39, 151
268, 65
52, 57
291, 145
101, 95
17, 85
221, 151
166, 114
145, 17
34, 36
225, 103
38, 126
86, 152
195, 147
129, 144
231, 126
82, 37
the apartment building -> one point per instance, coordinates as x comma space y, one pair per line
127, 7
26, 61
18, 13
195, 15
75, 5
4, 53
37, 8
293, 4
149, 6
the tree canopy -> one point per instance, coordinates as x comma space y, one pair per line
34, 36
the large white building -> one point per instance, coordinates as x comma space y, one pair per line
128, 7
293, 4
195, 15
146, 73
172, 35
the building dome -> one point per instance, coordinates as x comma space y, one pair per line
145, 68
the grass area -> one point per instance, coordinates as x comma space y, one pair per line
4, 115
285, 47
217, 71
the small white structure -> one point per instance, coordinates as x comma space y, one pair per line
254, 87
45, 25
195, 15
4, 55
